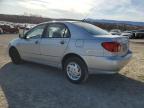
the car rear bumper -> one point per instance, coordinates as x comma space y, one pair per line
107, 65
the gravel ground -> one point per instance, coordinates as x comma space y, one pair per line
37, 86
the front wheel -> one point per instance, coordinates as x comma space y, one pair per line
15, 56
75, 70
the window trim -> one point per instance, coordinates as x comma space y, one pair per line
44, 33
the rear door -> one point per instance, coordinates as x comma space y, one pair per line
54, 43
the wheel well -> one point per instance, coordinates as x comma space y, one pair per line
71, 55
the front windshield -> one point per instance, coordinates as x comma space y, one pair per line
92, 29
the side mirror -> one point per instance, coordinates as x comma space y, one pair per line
27, 38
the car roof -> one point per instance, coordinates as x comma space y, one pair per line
54, 21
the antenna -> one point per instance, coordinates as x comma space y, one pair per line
84, 20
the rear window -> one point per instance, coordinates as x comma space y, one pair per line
92, 29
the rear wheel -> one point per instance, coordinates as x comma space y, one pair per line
15, 56
75, 70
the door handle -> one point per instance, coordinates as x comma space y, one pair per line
36, 42
62, 42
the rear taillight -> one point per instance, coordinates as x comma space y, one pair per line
112, 46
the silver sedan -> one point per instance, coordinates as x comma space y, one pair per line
78, 48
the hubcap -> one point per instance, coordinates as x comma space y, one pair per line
73, 71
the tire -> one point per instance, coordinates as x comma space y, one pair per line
81, 70
15, 56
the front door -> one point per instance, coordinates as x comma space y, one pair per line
54, 43
30, 46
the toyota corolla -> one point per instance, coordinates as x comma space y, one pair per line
78, 48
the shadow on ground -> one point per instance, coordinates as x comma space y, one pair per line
37, 86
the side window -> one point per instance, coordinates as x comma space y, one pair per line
36, 32
57, 31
